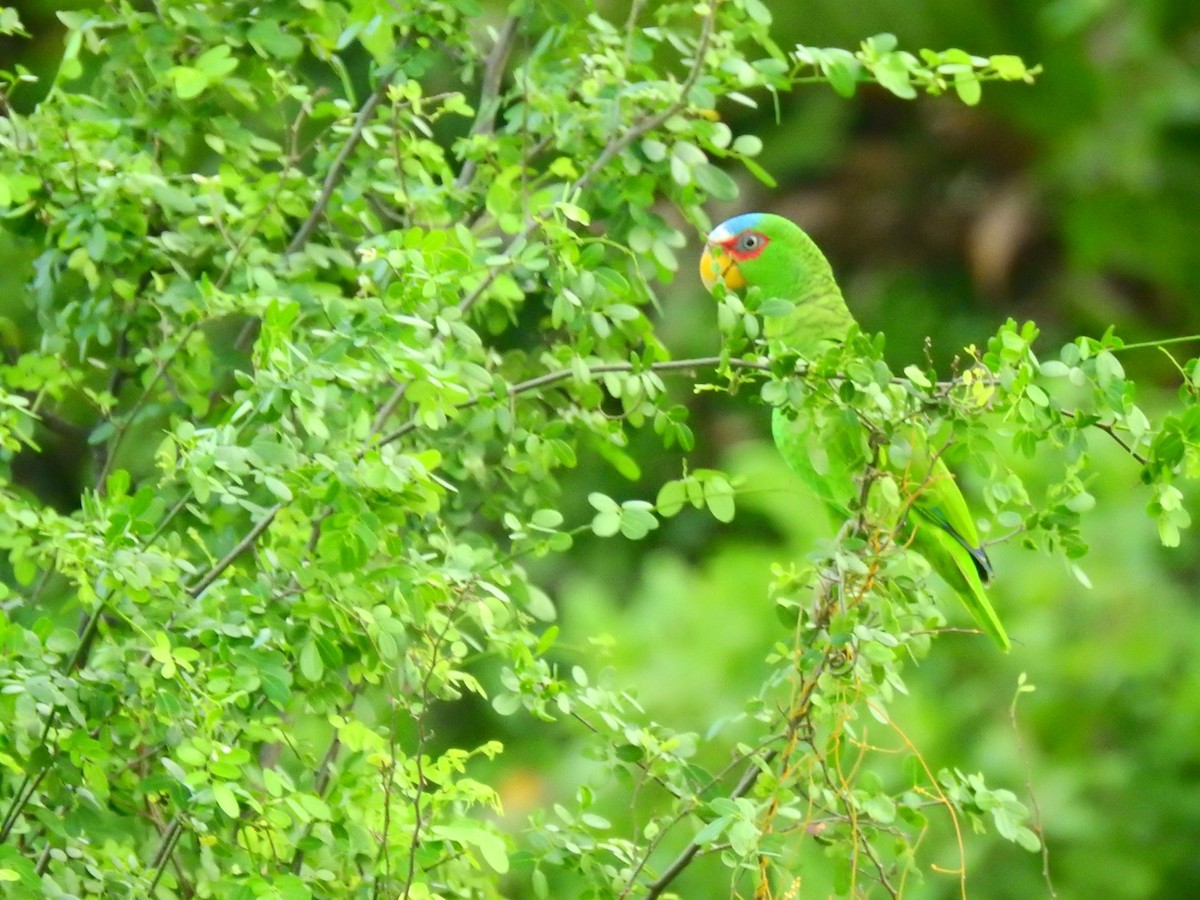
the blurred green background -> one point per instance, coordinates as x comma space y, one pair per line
1074, 202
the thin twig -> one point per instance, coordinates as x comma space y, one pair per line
649, 123
489, 92
28, 786
247, 541
422, 738
745, 784
165, 850
549, 378
323, 775
610, 152
87, 634
43, 862
123, 430
1111, 430
389, 406
289, 162
685, 857
801, 707
115, 382
305, 231
1023, 754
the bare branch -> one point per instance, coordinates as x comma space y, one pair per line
165, 850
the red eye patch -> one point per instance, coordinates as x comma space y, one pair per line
746, 245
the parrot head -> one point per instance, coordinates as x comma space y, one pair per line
731, 245
760, 250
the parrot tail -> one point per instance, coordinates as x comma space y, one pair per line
965, 569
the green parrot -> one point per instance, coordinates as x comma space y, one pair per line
774, 255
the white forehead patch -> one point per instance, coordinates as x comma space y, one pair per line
720, 234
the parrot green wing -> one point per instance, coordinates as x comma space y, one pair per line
943, 531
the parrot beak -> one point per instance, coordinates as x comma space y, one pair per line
716, 264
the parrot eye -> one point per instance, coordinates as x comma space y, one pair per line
749, 242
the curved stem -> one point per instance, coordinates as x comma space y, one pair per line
549, 378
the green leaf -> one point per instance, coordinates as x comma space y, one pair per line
10, 23
620, 460
743, 837
603, 503
280, 490
312, 666
842, 69
748, 145
892, 73
636, 524
712, 831
548, 519
225, 799
490, 846
966, 85
269, 39
506, 704
188, 82
1009, 68
757, 11
539, 605
606, 524
314, 806
62, 641
291, 887
917, 377
546, 641
216, 63
718, 496
881, 808
715, 182
1027, 840
1037, 395
656, 151
760, 173
880, 44
681, 172
671, 498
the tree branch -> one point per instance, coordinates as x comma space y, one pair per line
123, 429
1111, 430
334, 175
801, 708
649, 123
745, 784
489, 92
165, 849
202, 584
549, 378
613, 148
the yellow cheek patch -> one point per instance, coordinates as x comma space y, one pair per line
733, 277
716, 264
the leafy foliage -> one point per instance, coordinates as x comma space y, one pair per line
333, 344
904, 74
